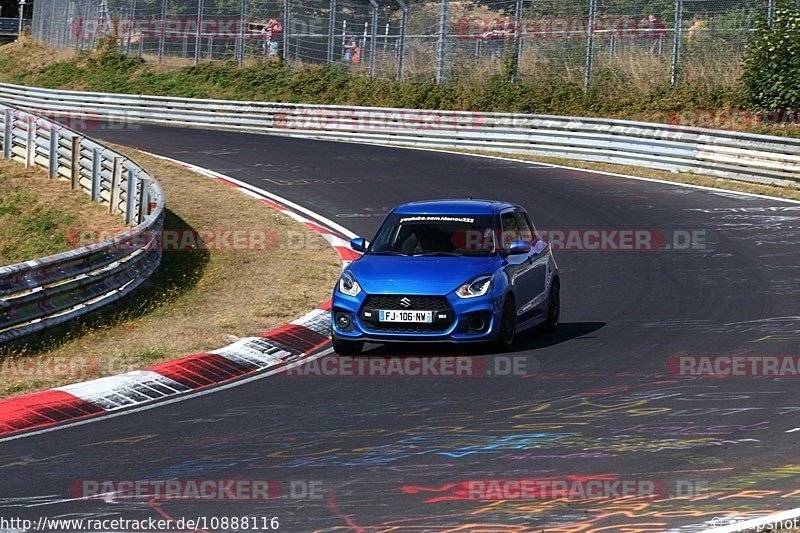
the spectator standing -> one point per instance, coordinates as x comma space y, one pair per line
657, 31
697, 29
349, 50
495, 37
273, 32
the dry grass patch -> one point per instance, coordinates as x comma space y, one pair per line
197, 299
40, 216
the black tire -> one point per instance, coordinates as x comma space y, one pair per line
508, 325
553, 307
347, 347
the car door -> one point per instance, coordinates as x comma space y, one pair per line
536, 276
519, 265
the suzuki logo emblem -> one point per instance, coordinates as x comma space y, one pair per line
405, 302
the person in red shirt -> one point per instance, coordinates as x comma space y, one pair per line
656, 31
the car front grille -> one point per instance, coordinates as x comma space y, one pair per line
422, 303
392, 301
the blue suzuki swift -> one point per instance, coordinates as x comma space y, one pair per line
447, 270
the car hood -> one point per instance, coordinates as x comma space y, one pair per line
388, 274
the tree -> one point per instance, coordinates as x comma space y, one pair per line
772, 63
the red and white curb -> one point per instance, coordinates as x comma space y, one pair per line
272, 351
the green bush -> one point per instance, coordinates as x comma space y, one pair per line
772, 64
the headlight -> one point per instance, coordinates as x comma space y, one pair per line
477, 287
348, 284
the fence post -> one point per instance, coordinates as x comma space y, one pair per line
373, 36
50, 33
82, 27
331, 28
130, 196
240, 36
30, 142
517, 37
441, 42
162, 32
587, 78
75, 171
198, 34
116, 176
676, 44
96, 174
63, 31
402, 44
131, 23
286, 7
770, 13
8, 132
52, 159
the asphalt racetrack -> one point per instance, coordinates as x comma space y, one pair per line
601, 399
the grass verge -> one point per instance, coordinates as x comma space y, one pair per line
40, 216
196, 299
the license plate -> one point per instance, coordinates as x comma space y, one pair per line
393, 315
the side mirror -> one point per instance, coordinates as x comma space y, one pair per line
519, 247
359, 244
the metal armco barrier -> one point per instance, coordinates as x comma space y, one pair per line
41, 293
741, 156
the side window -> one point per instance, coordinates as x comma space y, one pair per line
524, 227
510, 229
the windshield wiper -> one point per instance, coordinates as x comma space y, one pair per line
387, 252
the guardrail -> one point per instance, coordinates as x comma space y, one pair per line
741, 156
45, 292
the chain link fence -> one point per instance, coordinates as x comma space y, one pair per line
644, 42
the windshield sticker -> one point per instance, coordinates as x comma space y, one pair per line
437, 219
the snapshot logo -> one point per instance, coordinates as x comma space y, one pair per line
196, 489
416, 367
723, 366
314, 119
617, 28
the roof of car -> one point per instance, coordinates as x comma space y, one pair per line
453, 207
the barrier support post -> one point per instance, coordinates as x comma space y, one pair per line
130, 198
52, 159
96, 169
8, 135
144, 199
116, 176
30, 142
75, 174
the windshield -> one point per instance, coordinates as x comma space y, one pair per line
436, 235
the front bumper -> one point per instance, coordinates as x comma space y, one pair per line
451, 323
